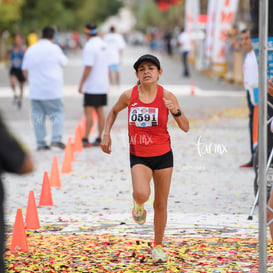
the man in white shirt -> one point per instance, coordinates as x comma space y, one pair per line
185, 47
250, 77
115, 47
43, 65
94, 82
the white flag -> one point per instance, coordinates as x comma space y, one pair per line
210, 30
192, 10
225, 14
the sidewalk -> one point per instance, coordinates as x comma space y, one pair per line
90, 229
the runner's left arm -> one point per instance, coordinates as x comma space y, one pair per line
172, 104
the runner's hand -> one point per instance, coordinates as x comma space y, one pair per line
170, 105
106, 144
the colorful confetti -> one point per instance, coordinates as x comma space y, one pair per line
108, 253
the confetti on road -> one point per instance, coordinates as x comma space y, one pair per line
108, 253
83, 234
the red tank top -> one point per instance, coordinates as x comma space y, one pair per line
147, 125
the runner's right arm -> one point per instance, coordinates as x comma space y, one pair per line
85, 74
121, 104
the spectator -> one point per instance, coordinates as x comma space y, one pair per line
168, 42
14, 159
16, 53
43, 66
115, 46
76, 39
94, 82
250, 75
229, 50
184, 43
155, 42
32, 38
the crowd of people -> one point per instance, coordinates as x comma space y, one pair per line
29, 62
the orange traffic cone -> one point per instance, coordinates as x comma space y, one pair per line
46, 197
19, 238
32, 219
192, 88
67, 160
55, 180
78, 139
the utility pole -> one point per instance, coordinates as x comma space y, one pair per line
262, 19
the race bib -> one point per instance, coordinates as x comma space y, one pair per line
143, 116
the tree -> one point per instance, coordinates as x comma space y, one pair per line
36, 14
98, 11
66, 14
10, 13
33, 15
149, 15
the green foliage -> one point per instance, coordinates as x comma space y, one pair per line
27, 15
149, 15
98, 10
10, 14
36, 14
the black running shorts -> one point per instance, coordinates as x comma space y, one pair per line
153, 162
18, 73
94, 100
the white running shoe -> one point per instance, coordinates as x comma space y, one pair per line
158, 255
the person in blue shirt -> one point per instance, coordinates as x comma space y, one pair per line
16, 53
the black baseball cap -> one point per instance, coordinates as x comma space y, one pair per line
90, 28
147, 58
